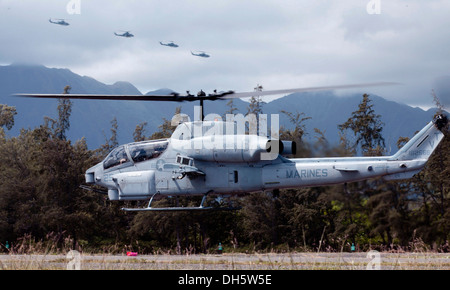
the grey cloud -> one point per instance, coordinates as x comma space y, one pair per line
279, 44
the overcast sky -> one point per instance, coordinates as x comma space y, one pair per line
279, 44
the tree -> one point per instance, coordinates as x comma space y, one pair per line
307, 217
7, 114
231, 109
256, 104
388, 209
110, 143
254, 110
166, 128
64, 111
40, 196
433, 196
366, 127
296, 134
261, 219
62, 124
139, 132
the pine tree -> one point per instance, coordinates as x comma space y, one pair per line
254, 110
296, 134
64, 111
166, 128
111, 142
139, 132
7, 114
366, 127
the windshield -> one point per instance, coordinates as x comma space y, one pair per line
116, 157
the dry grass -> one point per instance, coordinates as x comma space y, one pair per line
287, 261
52, 254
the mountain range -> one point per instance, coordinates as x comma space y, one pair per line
92, 118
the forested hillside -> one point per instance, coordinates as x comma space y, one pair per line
40, 198
91, 118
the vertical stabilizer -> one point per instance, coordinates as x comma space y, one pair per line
422, 145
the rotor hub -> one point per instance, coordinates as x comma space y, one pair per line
440, 121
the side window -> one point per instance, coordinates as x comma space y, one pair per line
116, 157
147, 150
139, 153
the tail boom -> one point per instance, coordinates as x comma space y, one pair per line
409, 160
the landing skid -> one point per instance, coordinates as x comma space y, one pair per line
194, 208
208, 208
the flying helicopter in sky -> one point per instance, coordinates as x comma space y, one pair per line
126, 34
59, 21
212, 157
170, 44
200, 54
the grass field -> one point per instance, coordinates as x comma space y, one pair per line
272, 261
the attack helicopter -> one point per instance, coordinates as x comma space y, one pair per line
212, 157
170, 44
126, 34
200, 54
59, 22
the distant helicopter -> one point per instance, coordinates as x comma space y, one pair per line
170, 44
59, 21
200, 54
125, 34
215, 158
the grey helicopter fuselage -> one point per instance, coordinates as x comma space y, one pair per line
220, 163
212, 157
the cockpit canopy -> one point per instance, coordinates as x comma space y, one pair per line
135, 152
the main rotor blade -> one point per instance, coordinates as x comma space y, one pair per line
175, 97
169, 98
301, 90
